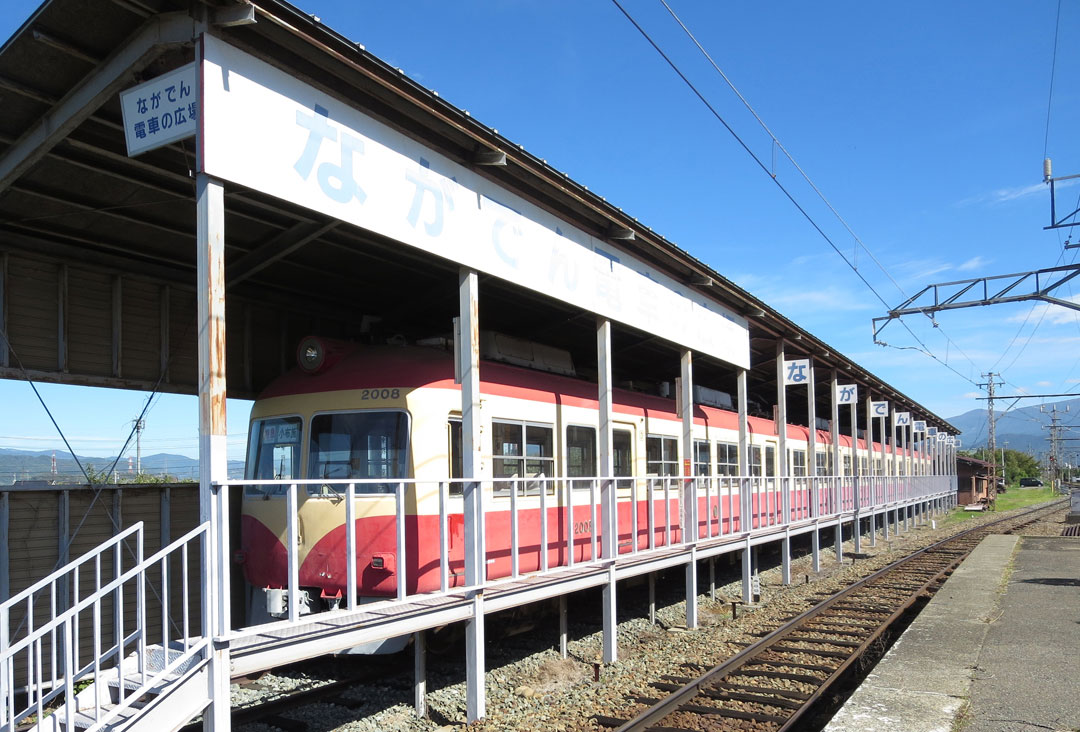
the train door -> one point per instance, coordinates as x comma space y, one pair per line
772, 485
623, 442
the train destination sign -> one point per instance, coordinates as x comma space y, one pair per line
160, 111
310, 148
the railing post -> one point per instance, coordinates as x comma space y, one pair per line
444, 538
402, 571
350, 542
292, 551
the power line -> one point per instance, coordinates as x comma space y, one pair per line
1053, 69
674, 67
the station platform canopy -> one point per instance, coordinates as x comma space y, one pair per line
353, 197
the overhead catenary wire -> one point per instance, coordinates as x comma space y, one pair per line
791, 198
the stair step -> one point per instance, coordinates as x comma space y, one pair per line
84, 720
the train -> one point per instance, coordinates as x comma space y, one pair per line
386, 414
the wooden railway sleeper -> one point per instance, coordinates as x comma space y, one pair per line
752, 698
730, 713
795, 664
823, 641
804, 678
787, 693
814, 652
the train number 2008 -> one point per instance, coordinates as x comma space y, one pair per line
379, 394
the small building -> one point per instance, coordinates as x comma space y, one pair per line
972, 480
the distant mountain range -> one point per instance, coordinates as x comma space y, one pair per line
1018, 428
37, 465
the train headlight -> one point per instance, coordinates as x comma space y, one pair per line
311, 354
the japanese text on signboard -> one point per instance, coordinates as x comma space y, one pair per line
160, 111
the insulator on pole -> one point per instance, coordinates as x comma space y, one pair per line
1046, 170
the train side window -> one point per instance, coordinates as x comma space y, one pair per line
581, 455
822, 458
755, 461
358, 445
798, 463
456, 461
727, 458
273, 454
702, 458
662, 455
623, 441
522, 450
863, 467
770, 461
847, 464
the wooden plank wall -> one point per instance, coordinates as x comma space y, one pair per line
42, 522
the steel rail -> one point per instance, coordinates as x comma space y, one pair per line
680, 698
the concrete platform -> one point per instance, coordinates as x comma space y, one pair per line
996, 650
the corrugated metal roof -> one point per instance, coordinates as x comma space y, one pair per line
87, 204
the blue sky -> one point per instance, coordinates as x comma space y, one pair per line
924, 124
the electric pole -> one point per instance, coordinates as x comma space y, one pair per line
1055, 446
140, 424
991, 439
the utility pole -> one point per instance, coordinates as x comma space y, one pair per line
1055, 446
140, 424
991, 439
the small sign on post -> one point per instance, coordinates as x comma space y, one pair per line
846, 393
796, 371
879, 409
160, 111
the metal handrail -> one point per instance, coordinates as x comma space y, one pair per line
66, 670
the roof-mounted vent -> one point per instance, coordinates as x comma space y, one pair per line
520, 352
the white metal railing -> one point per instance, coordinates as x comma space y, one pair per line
564, 529
50, 655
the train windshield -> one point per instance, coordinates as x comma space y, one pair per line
273, 453
358, 445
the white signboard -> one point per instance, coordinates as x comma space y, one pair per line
272, 132
159, 111
942, 437
931, 431
796, 371
901, 419
918, 426
846, 394
879, 409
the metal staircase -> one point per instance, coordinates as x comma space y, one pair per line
117, 646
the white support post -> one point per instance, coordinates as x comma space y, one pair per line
837, 471
563, 631
782, 459
420, 674
856, 529
812, 446
468, 353
747, 573
745, 504
213, 499
689, 485
608, 494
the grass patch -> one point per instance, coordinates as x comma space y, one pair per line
1017, 498
1014, 498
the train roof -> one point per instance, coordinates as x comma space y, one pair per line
412, 367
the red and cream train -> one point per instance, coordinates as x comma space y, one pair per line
385, 413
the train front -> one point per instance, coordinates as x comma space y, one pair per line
321, 427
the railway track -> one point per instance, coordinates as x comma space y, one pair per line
777, 681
